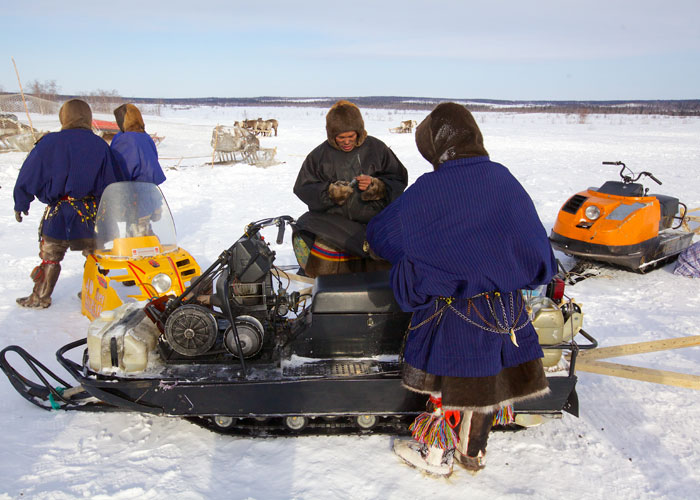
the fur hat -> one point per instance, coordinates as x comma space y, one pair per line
75, 114
344, 116
447, 133
129, 118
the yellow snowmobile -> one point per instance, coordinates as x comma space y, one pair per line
137, 257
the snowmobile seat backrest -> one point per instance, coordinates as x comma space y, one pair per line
354, 293
669, 209
618, 188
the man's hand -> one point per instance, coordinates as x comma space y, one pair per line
375, 190
18, 215
363, 181
339, 192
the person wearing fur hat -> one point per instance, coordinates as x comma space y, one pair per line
463, 241
133, 149
67, 171
345, 181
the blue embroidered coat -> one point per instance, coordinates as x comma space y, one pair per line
71, 163
465, 229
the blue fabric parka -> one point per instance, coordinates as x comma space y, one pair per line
463, 230
68, 171
133, 149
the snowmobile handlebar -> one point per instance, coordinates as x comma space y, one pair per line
631, 178
254, 227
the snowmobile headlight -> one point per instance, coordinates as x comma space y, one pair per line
592, 212
161, 282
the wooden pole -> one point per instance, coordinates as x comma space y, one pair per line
216, 143
675, 379
26, 109
586, 362
639, 348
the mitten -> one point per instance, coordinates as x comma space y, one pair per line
339, 192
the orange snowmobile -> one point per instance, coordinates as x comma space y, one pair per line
621, 224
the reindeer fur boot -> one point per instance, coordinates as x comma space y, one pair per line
45, 276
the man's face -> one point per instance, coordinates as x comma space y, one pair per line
346, 141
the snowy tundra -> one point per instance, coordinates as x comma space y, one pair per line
633, 439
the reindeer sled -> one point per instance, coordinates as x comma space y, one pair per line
107, 130
15, 135
237, 144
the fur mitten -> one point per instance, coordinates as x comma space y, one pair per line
375, 191
339, 192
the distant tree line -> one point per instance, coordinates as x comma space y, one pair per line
104, 101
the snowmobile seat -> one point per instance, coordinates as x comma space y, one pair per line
669, 208
354, 293
618, 188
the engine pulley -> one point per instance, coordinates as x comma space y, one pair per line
191, 330
250, 334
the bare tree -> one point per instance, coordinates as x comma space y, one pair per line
44, 90
103, 101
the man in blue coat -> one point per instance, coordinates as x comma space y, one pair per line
133, 149
463, 241
67, 171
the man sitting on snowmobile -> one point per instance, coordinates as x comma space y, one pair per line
66, 170
345, 181
463, 241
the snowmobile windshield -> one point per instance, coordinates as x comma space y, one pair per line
133, 220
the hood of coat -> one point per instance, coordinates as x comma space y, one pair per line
449, 132
129, 118
344, 116
75, 114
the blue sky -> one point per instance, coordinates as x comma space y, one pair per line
500, 49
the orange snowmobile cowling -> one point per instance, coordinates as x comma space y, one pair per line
622, 221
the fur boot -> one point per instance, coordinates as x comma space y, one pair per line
431, 459
473, 436
45, 277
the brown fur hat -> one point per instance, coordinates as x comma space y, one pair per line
344, 116
129, 118
75, 114
447, 133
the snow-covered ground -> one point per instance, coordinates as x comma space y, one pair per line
633, 439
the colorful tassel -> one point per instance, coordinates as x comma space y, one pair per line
504, 416
434, 429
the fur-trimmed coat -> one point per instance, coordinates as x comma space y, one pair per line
465, 229
326, 165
